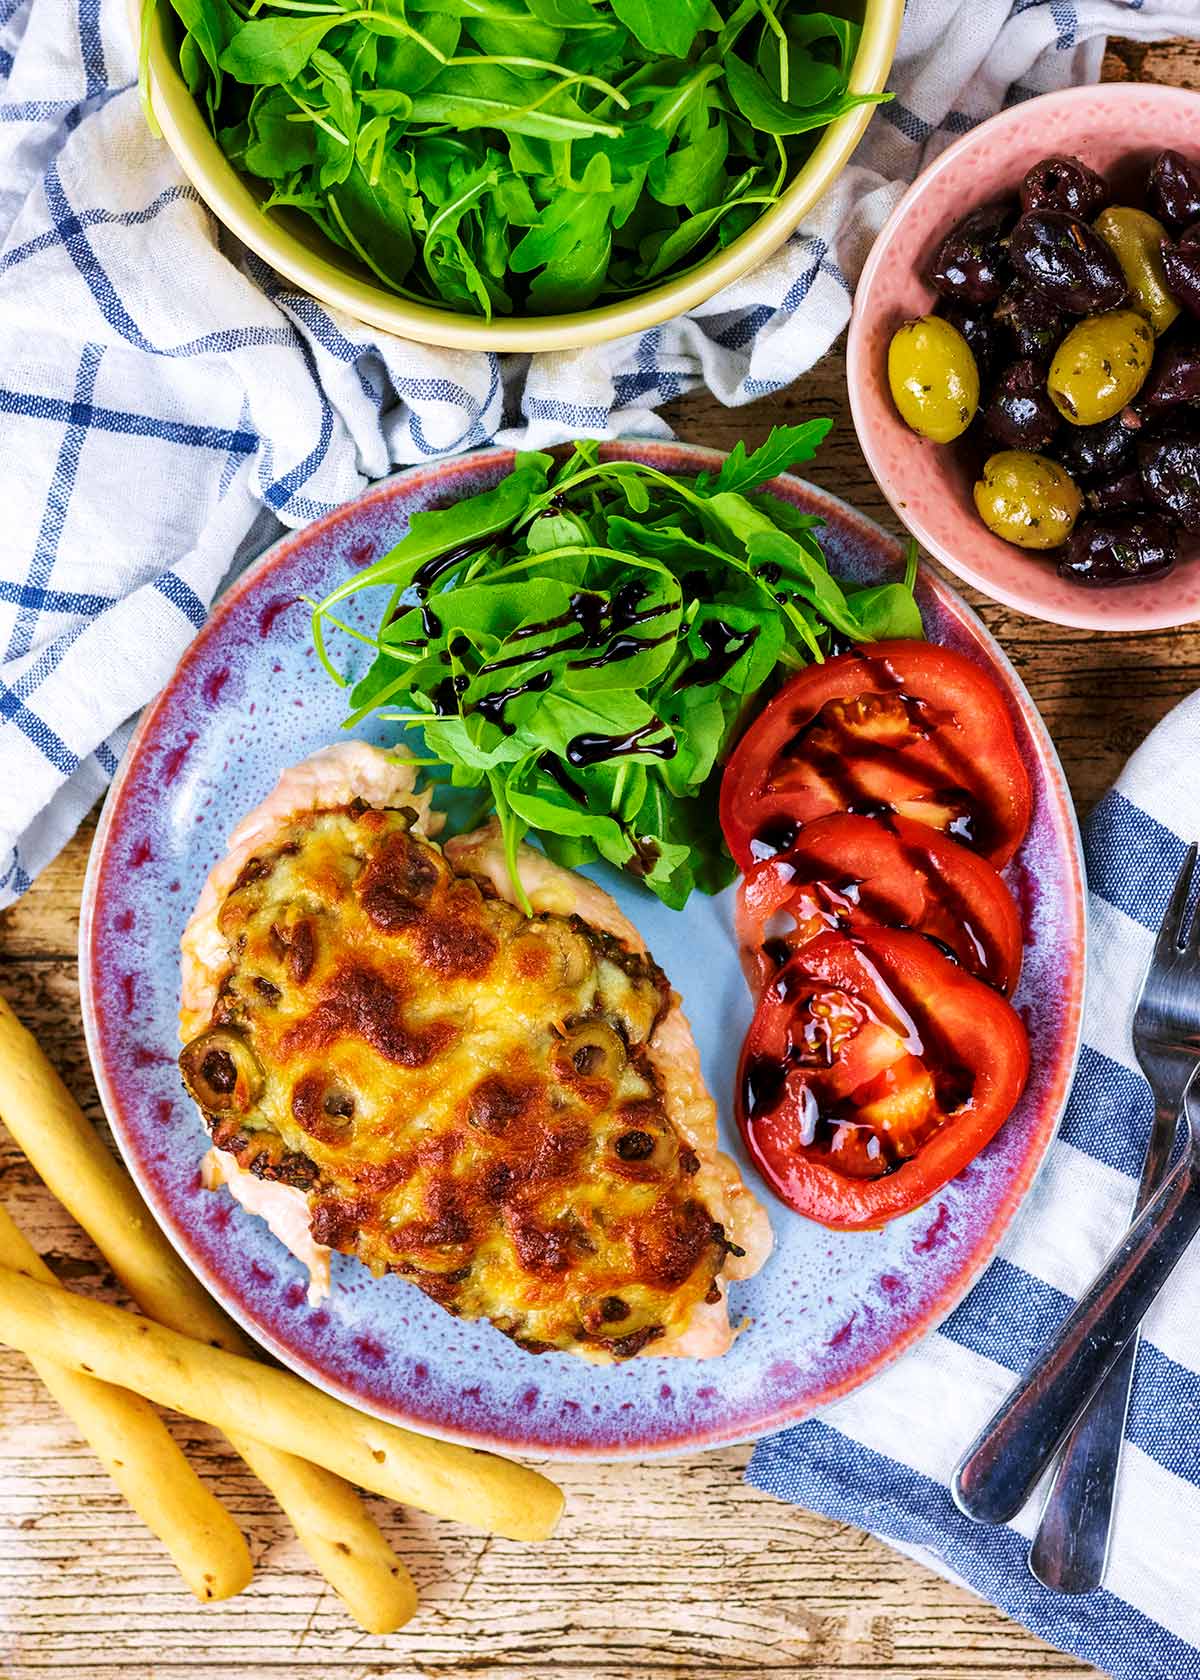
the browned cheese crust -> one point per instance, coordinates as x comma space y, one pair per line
463, 1093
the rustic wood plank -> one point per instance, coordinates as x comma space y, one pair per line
673, 1567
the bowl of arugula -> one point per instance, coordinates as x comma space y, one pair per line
513, 174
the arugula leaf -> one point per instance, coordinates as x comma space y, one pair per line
766, 111
663, 26
269, 50
519, 156
373, 214
210, 26
786, 447
583, 638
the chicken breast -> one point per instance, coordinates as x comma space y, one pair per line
507, 1110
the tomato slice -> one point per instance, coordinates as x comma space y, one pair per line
844, 873
875, 1069
902, 727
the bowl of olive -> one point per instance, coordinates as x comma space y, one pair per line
1024, 357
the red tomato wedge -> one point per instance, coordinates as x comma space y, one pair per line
875, 1069
845, 873
901, 727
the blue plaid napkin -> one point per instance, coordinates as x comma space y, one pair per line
167, 404
882, 1458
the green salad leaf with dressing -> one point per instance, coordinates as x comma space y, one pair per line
581, 642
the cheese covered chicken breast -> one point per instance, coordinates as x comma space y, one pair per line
396, 1063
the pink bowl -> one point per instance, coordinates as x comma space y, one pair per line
1117, 128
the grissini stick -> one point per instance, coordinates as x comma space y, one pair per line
133, 1444
332, 1524
276, 1407
342, 1540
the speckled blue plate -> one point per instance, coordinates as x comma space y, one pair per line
828, 1310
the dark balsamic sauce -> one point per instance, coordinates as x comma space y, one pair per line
492, 706
762, 1085
646, 853
427, 574
583, 750
603, 623
773, 837
553, 768
621, 647
725, 647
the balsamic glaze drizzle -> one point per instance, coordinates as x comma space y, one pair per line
725, 647
492, 706
583, 750
427, 574
603, 623
554, 769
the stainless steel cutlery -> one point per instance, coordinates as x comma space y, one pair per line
1079, 1387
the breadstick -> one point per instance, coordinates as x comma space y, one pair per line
276, 1407
339, 1535
331, 1523
131, 1441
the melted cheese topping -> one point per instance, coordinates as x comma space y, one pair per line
498, 1108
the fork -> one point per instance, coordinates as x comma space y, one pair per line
1070, 1549
1003, 1465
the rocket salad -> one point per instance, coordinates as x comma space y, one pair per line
519, 156
582, 639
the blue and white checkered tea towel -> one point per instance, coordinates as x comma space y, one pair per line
882, 1458
165, 401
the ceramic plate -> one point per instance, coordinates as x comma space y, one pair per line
828, 1310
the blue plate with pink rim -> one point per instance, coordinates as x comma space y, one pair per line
829, 1309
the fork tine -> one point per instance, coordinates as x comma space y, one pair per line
1170, 936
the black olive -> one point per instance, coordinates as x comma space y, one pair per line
1102, 448
978, 327
1171, 473
970, 264
1174, 379
1037, 325
1181, 269
1066, 261
1020, 414
339, 1104
634, 1146
1064, 183
1123, 548
1117, 495
613, 1309
219, 1072
1173, 190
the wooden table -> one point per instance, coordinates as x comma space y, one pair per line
672, 1568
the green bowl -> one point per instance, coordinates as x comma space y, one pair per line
296, 248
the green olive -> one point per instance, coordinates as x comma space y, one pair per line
1135, 238
221, 1072
933, 377
1027, 499
1100, 366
